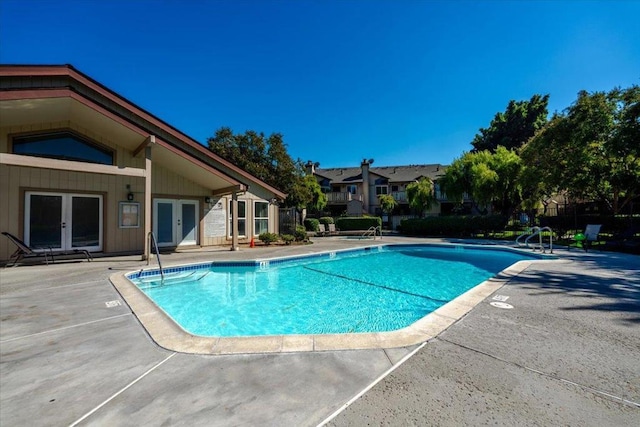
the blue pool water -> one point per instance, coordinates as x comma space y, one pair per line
382, 289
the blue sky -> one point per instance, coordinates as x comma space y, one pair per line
403, 82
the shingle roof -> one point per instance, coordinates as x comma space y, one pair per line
408, 173
345, 175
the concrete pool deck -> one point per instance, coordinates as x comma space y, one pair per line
568, 352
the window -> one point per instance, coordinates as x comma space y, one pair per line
260, 217
395, 188
242, 218
353, 189
63, 146
381, 189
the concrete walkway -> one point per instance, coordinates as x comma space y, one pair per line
72, 353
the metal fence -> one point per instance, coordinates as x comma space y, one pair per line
289, 219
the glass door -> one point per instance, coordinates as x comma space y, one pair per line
188, 222
175, 222
164, 222
63, 221
43, 221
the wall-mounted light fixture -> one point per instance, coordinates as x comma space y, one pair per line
207, 199
129, 193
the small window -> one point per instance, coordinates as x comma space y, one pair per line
242, 218
381, 189
395, 188
353, 189
62, 146
261, 218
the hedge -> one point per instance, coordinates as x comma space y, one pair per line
458, 226
326, 220
358, 223
610, 223
311, 224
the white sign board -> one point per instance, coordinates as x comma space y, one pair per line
215, 220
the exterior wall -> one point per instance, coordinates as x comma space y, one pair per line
214, 216
16, 180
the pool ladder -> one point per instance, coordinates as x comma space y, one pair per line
154, 244
536, 231
372, 231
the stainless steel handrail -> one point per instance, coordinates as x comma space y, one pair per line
152, 240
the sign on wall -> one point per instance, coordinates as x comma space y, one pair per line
215, 220
129, 215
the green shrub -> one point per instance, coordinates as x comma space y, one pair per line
311, 224
326, 220
287, 238
358, 223
268, 238
453, 226
301, 233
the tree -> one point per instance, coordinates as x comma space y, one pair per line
486, 178
511, 129
265, 158
592, 149
421, 195
307, 193
387, 204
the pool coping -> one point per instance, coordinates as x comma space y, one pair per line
169, 335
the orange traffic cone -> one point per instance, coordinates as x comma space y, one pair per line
253, 243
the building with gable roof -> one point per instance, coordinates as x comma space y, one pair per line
355, 190
83, 168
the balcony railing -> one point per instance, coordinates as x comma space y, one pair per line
399, 196
342, 197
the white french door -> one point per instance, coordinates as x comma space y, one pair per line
63, 221
175, 222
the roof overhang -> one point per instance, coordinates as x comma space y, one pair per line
123, 121
63, 106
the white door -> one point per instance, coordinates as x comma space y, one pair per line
175, 222
63, 221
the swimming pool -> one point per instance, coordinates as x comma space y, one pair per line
371, 290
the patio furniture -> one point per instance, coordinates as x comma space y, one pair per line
322, 231
25, 251
588, 238
332, 229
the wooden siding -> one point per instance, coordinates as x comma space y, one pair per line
16, 180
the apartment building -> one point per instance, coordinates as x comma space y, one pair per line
355, 190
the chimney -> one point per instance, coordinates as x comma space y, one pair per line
310, 167
364, 166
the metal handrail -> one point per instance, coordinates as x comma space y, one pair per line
536, 231
152, 239
373, 231
550, 239
532, 231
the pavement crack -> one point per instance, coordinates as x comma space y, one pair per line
545, 374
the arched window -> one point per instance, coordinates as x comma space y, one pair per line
63, 146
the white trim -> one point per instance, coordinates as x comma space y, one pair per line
240, 218
66, 216
262, 218
177, 221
